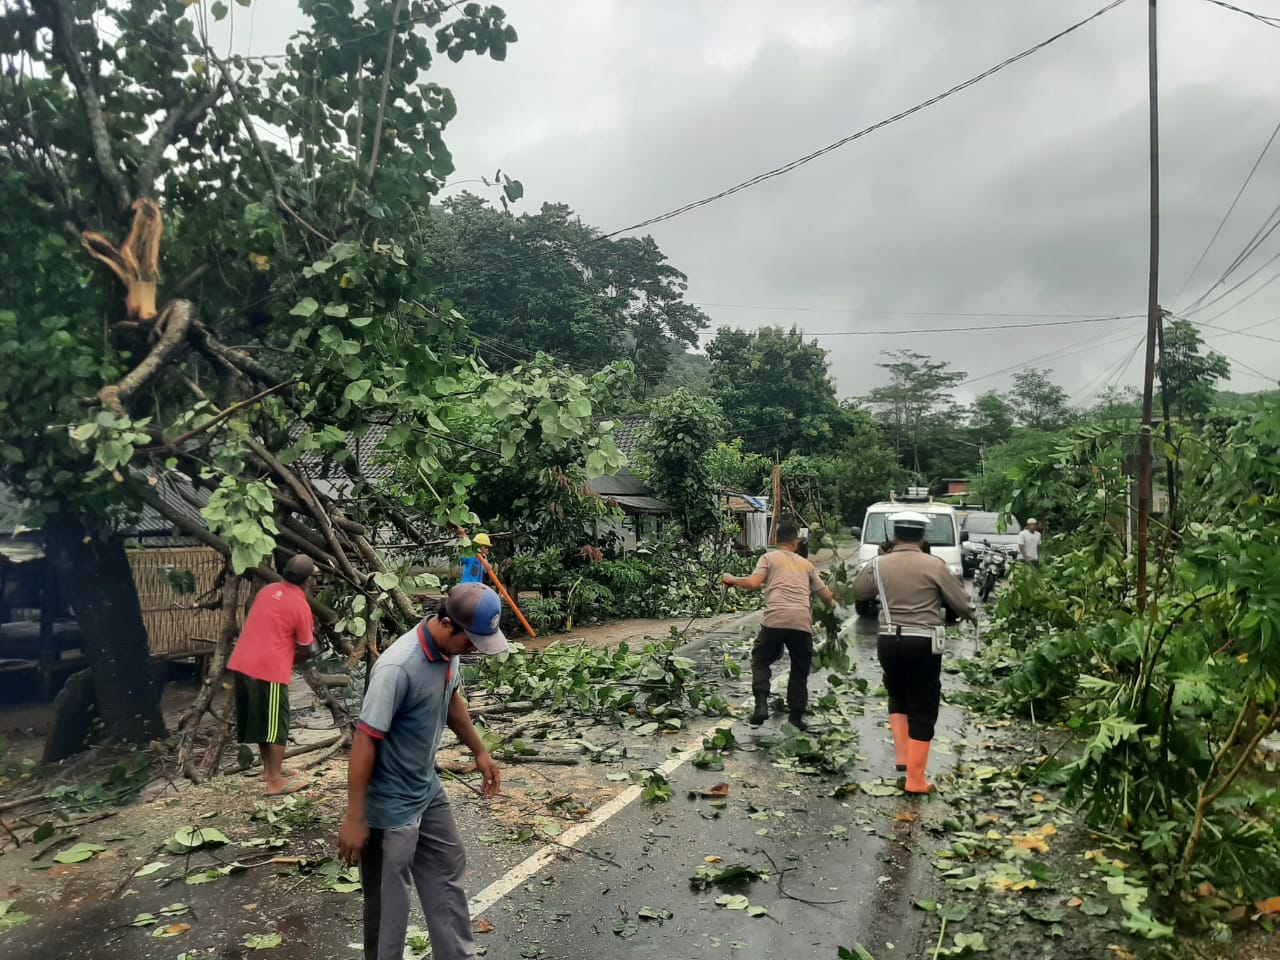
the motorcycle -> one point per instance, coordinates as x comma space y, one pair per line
993, 566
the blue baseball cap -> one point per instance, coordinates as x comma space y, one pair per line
477, 610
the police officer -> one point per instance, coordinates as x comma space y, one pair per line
915, 587
788, 580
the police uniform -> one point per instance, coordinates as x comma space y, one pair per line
916, 587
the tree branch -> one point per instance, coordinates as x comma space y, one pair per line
392, 36
178, 314
228, 412
176, 120
59, 15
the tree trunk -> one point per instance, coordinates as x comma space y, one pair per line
95, 575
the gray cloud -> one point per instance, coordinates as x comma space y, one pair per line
1024, 194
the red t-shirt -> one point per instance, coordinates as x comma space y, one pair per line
278, 621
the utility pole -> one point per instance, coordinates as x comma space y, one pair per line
777, 503
1153, 315
1170, 473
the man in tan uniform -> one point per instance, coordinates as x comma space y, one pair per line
916, 587
788, 580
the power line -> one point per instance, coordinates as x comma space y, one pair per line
1223, 222
1057, 354
1239, 333
1236, 286
1261, 18
792, 165
890, 313
1259, 237
899, 332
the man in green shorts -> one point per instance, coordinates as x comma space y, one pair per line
278, 632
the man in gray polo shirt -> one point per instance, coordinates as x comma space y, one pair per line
399, 826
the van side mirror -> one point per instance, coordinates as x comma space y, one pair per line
964, 536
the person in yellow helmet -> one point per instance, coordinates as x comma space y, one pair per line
472, 568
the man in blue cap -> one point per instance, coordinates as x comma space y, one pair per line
399, 826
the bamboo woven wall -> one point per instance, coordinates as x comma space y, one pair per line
173, 627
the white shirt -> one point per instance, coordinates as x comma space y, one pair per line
1029, 544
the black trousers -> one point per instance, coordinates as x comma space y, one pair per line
768, 648
913, 677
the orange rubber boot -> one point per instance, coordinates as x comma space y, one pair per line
898, 725
917, 760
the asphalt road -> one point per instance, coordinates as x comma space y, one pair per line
841, 871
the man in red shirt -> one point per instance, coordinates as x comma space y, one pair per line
278, 633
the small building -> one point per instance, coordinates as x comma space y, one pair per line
956, 486
39, 634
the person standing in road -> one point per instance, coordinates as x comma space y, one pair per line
788, 580
1029, 543
472, 567
915, 587
278, 632
398, 825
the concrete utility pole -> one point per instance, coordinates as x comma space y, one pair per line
1153, 316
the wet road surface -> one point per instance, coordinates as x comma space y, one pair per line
842, 870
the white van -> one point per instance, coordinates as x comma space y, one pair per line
943, 533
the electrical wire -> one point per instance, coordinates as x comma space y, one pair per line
844, 141
1237, 286
1261, 18
899, 332
1223, 222
1057, 354
894, 313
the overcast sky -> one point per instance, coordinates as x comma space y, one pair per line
1026, 194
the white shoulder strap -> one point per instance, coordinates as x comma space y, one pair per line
884, 603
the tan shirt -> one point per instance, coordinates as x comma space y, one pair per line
788, 581
917, 587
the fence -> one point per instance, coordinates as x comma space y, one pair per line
175, 627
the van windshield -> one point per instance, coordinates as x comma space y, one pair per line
941, 531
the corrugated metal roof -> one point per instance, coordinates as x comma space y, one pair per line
624, 483
640, 504
175, 489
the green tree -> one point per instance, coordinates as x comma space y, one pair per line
1038, 402
775, 389
303, 333
675, 458
1188, 375
991, 419
547, 282
918, 392
736, 468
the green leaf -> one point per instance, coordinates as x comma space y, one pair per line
733, 901
219, 10
386, 581
757, 911
262, 941
79, 853
356, 390
154, 867
360, 322
85, 432
305, 307
335, 309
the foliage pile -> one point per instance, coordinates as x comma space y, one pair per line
650, 688
1172, 705
660, 579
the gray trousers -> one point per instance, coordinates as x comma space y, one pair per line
429, 855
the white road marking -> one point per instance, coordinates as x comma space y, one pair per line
530, 866
527, 868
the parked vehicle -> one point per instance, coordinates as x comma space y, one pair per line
984, 529
943, 533
996, 559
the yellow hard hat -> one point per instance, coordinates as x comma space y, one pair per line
482, 540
